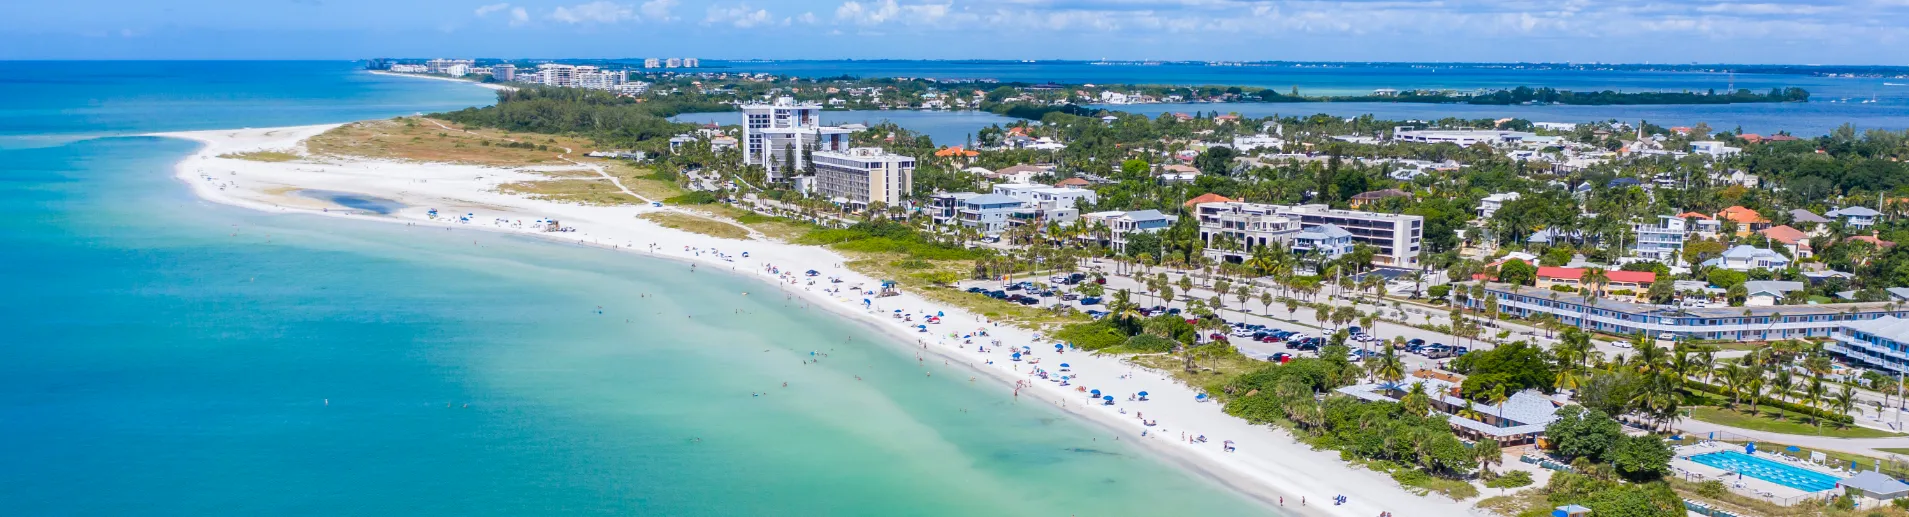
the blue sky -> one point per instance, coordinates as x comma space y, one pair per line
1656, 31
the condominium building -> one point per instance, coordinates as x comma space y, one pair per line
652, 63
1122, 225
1718, 323
942, 207
1246, 225
1881, 343
505, 72
690, 62
598, 79
988, 213
1397, 237
773, 133
1661, 240
864, 175
1051, 198
1461, 137
674, 62
554, 74
443, 66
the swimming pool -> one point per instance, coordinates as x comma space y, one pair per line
1775, 472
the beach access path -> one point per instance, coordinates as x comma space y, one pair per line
1267, 463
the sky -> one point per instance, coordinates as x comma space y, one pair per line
1624, 31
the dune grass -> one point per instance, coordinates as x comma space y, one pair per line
695, 224
262, 156
582, 191
420, 139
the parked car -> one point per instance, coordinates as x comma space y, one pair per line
1091, 300
998, 295
977, 290
1070, 296
1281, 357
1012, 287
1268, 339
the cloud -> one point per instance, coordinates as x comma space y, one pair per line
874, 13
659, 10
740, 15
594, 12
519, 16
487, 9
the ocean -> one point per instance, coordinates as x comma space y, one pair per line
1835, 100
169, 356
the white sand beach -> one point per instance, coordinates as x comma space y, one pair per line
1268, 464
491, 86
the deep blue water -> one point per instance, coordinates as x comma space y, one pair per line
1835, 100
167, 356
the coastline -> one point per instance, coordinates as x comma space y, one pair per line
1268, 465
487, 86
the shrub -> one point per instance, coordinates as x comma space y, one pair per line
1150, 344
1713, 489
1513, 479
1564, 288
692, 198
1092, 336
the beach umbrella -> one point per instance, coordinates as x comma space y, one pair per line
1792, 448
921, 326
1143, 394
1058, 346
1109, 399
1064, 365
1095, 392
1201, 396
939, 314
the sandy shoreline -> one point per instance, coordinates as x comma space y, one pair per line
1268, 465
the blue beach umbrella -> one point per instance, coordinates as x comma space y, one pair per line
1143, 394
1109, 399
938, 314
1064, 365
1792, 448
1095, 392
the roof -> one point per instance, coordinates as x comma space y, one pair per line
1699, 312
1073, 182
1326, 231
1687, 215
991, 199
1380, 194
1784, 234
1854, 211
1873, 240
1874, 482
1529, 409
1017, 169
1741, 215
1746, 251
1618, 276
1772, 287
1806, 216
1146, 215
1207, 198
956, 150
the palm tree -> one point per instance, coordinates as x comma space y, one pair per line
1815, 391
1845, 399
1782, 383
1706, 361
1388, 367
1497, 397
1488, 453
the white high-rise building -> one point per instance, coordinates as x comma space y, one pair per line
598, 79
443, 66
864, 175
773, 132
674, 62
690, 62
553, 74
652, 63
504, 72
457, 70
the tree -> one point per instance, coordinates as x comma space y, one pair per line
1581, 433
1663, 290
1641, 459
1488, 454
1517, 272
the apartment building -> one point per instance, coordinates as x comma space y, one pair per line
942, 207
652, 63
988, 213
772, 132
1122, 225
555, 74
1718, 323
860, 176
1397, 237
1661, 240
1881, 343
1491, 204
443, 66
1247, 225
505, 72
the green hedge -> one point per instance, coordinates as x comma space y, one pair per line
1827, 416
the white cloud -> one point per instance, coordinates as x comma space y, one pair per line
487, 9
740, 15
808, 18
659, 10
594, 12
519, 16
874, 13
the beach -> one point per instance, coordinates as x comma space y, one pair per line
1267, 464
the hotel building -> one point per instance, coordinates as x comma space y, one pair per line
1249, 225
770, 132
1718, 323
864, 175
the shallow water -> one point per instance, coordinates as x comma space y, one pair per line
373, 204
169, 356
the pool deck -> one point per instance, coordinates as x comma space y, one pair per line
1683, 467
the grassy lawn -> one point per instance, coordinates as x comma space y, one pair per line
582, 191
639, 179
262, 156
419, 139
1896, 450
1209, 373
1773, 421
694, 224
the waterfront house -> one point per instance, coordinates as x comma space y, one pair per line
1519, 421
1747, 220
1858, 217
1365, 198
1792, 239
1745, 257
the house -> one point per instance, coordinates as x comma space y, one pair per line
1806, 218
1490, 204
1073, 183
1406, 174
1637, 282
1714, 148
1795, 240
956, 152
1662, 241
1747, 220
1325, 241
1745, 257
1855, 216
1365, 198
1519, 421
988, 213
1872, 240
1121, 225
1765, 293
1701, 223
1018, 173
1206, 198
1873, 488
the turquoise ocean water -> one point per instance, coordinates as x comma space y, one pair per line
166, 356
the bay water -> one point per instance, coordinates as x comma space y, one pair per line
162, 355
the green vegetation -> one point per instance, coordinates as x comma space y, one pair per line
1513, 479
581, 191
603, 117
695, 224
1785, 422
262, 156
885, 237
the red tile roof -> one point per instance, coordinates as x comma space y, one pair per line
1616, 276
1073, 182
1687, 215
1784, 234
1207, 198
1873, 240
1741, 215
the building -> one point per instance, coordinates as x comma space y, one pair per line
943, 206
1520, 421
988, 213
1873, 489
443, 66
1325, 242
1492, 203
674, 62
554, 74
1747, 220
1745, 257
1797, 242
690, 62
652, 63
1461, 137
1122, 225
1637, 282
458, 70
1855, 216
861, 176
1662, 240
504, 72
776, 132
595, 79
1052, 198
1714, 148
1396, 236
1718, 323
1366, 198
1765, 293
1880, 343
1247, 225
